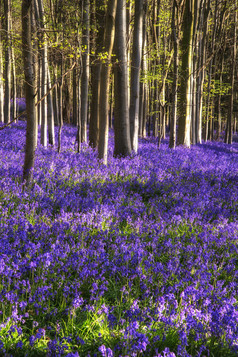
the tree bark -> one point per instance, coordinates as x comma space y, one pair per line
7, 72
1, 83
184, 121
201, 69
135, 73
230, 120
121, 125
50, 111
105, 81
85, 69
29, 91
40, 18
172, 139
99, 17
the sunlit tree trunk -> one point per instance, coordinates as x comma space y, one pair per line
184, 120
1, 83
60, 98
105, 81
40, 17
50, 111
55, 97
219, 98
35, 65
172, 140
7, 72
85, 69
13, 76
99, 17
230, 120
135, 73
209, 118
29, 91
75, 97
202, 39
156, 39
121, 125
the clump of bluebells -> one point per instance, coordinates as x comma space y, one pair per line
138, 258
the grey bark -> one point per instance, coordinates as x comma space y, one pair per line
85, 69
99, 17
122, 127
202, 38
40, 18
184, 121
104, 81
172, 139
29, 91
230, 119
1, 84
7, 72
50, 112
135, 73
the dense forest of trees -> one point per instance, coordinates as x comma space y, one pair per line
143, 67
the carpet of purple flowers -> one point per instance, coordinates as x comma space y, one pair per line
139, 258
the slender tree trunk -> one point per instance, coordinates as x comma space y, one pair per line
162, 93
40, 18
111, 104
14, 89
156, 39
50, 112
1, 83
85, 69
35, 66
105, 81
172, 140
121, 125
219, 99
75, 97
39, 76
184, 121
141, 108
135, 74
55, 98
78, 137
66, 96
60, 97
201, 69
99, 17
156, 109
230, 121
7, 72
29, 91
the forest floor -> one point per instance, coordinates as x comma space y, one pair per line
139, 258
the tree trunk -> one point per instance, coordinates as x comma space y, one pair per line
29, 91
50, 112
7, 72
60, 98
99, 17
121, 125
55, 98
40, 18
105, 81
219, 99
135, 73
85, 70
1, 83
75, 97
186, 70
230, 121
201, 70
172, 140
